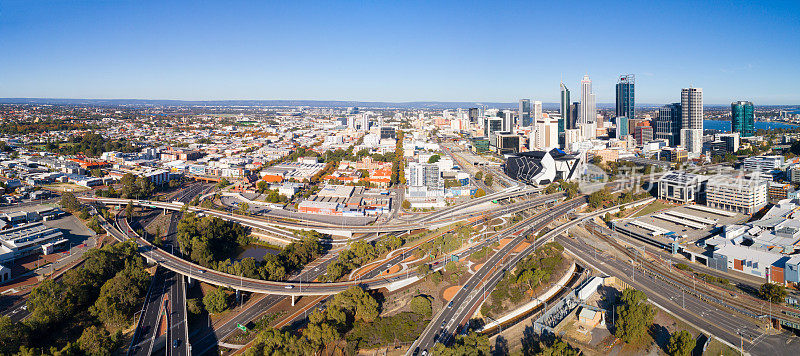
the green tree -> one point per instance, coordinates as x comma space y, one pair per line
194, 306
12, 335
559, 347
129, 210
96, 341
681, 343
357, 303
421, 305
772, 292
479, 175
406, 204
423, 269
634, 316
69, 202
489, 180
471, 344
216, 301
120, 296
434, 159
244, 208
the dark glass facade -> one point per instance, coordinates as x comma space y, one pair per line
625, 96
668, 123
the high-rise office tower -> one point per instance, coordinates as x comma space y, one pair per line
525, 112
625, 96
622, 126
692, 117
544, 134
536, 110
588, 111
473, 115
508, 120
668, 123
564, 108
572, 121
743, 119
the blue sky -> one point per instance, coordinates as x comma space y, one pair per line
398, 50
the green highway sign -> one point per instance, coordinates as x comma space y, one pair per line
240, 326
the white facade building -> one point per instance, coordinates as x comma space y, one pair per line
741, 195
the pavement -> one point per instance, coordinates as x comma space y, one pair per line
145, 333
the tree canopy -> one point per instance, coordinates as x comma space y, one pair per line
634, 316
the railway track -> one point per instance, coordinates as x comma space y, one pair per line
742, 303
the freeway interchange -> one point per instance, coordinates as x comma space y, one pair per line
697, 308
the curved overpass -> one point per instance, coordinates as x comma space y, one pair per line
203, 274
278, 227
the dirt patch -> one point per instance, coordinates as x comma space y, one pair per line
502, 243
476, 267
450, 292
521, 247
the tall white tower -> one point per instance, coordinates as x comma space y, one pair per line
588, 109
692, 119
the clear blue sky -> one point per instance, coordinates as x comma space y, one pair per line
398, 50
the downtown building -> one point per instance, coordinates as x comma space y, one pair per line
737, 194
692, 120
525, 112
542, 167
668, 123
565, 109
743, 118
587, 116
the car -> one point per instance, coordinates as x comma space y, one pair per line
176, 343
444, 324
425, 352
289, 287
201, 271
450, 305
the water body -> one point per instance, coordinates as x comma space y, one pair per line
256, 251
725, 126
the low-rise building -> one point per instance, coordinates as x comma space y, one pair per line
26, 239
763, 164
737, 194
681, 187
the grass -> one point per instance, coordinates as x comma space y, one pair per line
716, 348
656, 205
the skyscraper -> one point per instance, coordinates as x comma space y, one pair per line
625, 96
622, 126
668, 123
692, 117
565, 104
572, 120
536, 110
588, 111
473, 115
525, 112
692, 106
743, 119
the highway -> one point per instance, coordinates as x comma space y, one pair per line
145, 333
453, 213
712, 318
463, 304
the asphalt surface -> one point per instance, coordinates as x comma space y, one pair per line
145, 334
178, 328
463, 304
718, 321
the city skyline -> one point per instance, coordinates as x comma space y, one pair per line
388, 52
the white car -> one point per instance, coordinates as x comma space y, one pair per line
289, 287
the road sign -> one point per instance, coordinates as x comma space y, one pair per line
242, 327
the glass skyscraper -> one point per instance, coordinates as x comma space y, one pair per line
743, 119
668, 123
525, 112
565, 114
625, 96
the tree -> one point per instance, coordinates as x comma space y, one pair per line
434, 159
194, 306
129, 210
634, 316
479, 175
358, 303
772, 292
423, 269
681, 343
406, 204
559, 347
597, 160
489, 179
69, 202
96, 341
12, 335
216, 301
421, 305
479, 193
244, 208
